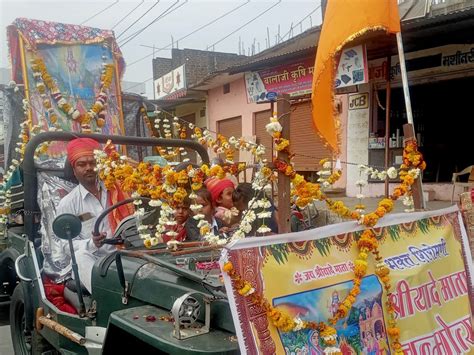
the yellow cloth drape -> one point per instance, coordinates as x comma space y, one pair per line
344, 21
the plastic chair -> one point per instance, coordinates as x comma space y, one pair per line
464, 185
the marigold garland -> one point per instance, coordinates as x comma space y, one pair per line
304, 193
46, 81
366, 243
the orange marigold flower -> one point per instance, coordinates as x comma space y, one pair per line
393, 331
228, 266
387, 204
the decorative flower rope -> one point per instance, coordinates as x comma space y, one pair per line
45, 82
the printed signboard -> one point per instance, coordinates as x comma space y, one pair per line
352, 67
171, 85
307, 275
294, 79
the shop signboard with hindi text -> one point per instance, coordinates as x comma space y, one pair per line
307, 274
437, 61
294, 79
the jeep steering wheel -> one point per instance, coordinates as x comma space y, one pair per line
114, 240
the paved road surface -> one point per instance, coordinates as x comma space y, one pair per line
6, 347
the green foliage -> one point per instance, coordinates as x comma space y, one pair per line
279, 252
323, 246
394, 232
424, 225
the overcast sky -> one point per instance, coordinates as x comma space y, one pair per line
188, 16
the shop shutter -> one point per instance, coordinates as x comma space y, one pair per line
231, 127
191, 118
304, 142
261, 119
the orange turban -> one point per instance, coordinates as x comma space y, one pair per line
216, 186
81, 147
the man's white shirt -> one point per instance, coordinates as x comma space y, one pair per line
80, 201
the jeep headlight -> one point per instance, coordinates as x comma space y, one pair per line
186, 310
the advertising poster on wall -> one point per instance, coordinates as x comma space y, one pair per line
352, 68
172, 85
309, 273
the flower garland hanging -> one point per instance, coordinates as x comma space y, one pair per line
366, 243
44, 82
27, 130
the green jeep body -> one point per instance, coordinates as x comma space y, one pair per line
131, 296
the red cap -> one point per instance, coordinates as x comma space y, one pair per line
81, 147
216, 186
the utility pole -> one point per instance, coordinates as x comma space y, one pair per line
324, 4
153, 61
268, 38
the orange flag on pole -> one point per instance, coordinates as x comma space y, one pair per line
344, 21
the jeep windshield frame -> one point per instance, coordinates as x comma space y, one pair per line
30, 170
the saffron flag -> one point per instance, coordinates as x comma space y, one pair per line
344, 21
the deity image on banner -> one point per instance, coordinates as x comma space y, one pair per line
362, 331
76, 70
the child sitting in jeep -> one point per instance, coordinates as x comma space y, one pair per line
221, 193
181, 216
204, 199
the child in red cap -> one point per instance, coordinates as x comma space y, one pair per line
221, 191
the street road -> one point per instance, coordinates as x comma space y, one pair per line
6, 347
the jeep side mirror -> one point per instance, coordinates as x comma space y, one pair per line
67, 226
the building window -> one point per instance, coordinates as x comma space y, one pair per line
226, 88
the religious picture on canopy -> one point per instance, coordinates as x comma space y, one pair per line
362, 331
76, 71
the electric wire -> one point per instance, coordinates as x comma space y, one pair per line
245, 24
304, 18
189, 34
123, 40
138, 19
97, 14
128, 14
165, 13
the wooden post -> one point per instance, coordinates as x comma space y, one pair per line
387, 122
417, 187
284, 208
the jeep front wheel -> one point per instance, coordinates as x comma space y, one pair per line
20, 337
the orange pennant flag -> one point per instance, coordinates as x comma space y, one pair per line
344, 21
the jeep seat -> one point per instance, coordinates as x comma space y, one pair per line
71, 296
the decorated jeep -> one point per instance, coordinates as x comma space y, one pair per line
152, 300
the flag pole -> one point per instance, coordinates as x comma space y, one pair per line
409, 132
403, 70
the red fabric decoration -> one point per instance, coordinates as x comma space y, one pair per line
80, 147
216, 186
178, 228
113, 196
55, 294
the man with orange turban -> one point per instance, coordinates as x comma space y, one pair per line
88, 200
